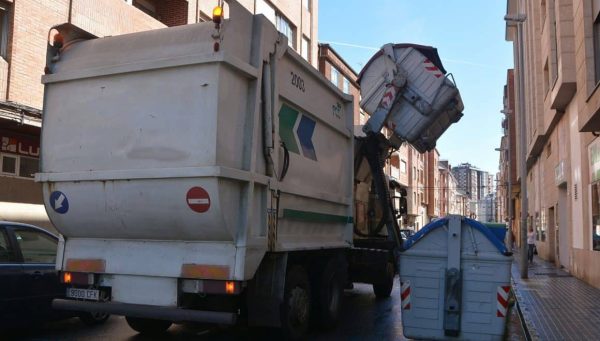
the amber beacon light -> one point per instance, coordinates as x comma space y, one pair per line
217, 14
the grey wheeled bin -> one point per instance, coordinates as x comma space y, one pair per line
455, 281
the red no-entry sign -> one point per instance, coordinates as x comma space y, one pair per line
198, 199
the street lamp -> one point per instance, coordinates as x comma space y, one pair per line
517, 21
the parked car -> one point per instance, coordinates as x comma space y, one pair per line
28, 278
406, 233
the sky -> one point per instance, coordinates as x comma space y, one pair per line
470, 38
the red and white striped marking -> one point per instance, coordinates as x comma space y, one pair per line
429, 66
388, 97
502, 300
405, 294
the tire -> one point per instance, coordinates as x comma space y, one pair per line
148, 326
330, 290
93, 319
383, 287
295, 309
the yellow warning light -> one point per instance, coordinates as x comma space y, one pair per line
58, 40
229, 287
67, 277
217, 14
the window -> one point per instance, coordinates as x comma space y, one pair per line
36, 247
543, 227
306, 4
18, 165
305, 48
146, 6
287, 29
9, 164
596, 216
597, 48
403, 166
334, 76
346, 86
3, 30
265, 9
5, 252
546, 78
28, 166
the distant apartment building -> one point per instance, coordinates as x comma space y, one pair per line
560, 103
477, 185
487, 208
508, 185
468, 179
24, 31
453, 201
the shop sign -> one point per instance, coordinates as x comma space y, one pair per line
16, 144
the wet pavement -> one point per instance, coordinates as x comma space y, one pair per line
364, 317
556, 305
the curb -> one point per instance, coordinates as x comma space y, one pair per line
526, 324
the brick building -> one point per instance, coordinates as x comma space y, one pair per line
508, 175
435, 189
24, 31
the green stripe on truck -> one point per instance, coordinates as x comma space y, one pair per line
316, 217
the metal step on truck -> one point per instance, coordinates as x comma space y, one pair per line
208, 173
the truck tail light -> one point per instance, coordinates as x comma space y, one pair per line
207, 286
81, 278
230, 287
66, 277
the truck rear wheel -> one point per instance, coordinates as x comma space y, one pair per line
93, 318
330, 290
295, 312
384, 285
148, 326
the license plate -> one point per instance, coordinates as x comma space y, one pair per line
83, 294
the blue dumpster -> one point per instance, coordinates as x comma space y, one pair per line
498, 229
455, 282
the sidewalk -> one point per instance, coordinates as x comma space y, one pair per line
555, 305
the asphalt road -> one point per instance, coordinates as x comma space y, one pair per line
363, 318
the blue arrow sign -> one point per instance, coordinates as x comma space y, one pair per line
59, 202
305, 131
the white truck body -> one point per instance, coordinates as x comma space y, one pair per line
188, 165
135, 124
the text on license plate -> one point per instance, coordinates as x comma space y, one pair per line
84, 294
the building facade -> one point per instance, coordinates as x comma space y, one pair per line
557, 95
435, 189
24, 31
508, 186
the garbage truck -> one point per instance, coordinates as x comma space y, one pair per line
208, 173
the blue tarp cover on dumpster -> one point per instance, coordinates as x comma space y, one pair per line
444, 221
